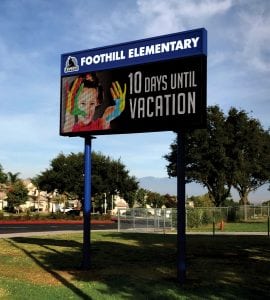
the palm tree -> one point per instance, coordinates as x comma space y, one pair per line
3, 176
12, 177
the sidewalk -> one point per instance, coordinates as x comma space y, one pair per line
38, 233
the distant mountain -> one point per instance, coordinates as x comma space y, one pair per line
163, 185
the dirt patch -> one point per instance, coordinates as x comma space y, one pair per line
30, 275
3, 292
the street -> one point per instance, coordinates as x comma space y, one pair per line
26, 228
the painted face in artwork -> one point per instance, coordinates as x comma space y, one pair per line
87, 102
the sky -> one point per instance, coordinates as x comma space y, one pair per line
34, 34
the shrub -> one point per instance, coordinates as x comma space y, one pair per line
194, 217
207, 217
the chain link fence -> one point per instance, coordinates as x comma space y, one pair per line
201, 218
146, 219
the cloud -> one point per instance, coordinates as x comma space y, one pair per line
99, 23
238, 30
172, 15
255, 38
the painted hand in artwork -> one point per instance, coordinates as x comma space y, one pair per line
119, 98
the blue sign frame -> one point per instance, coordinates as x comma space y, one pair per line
172, 46
155, 84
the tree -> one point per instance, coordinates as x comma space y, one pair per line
141, 196
232, 151
17, 195
108, 176
111, 177
206, 160
64, 175
169, 201
144, 197
201, 201
3, 176
249, 152
266, 203
12, 177
154, 199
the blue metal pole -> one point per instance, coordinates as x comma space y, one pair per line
86, 260
181, 209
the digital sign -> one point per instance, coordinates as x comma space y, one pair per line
156, 84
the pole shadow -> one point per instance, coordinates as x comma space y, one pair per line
48, 267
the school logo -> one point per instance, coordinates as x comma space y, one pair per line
71, 64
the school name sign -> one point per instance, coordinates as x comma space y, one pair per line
154, 84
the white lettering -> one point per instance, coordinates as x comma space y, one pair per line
132, 105
187, 43
96, 59
155, 83
179, 45
131, 53
159, 107
181, 107
141, 112
82, 61
103, 58
163, 47
183, 80
163, 105
195, 41
150, 50
170, 46
149, 114
191, 102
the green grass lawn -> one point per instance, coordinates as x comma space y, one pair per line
134, 266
